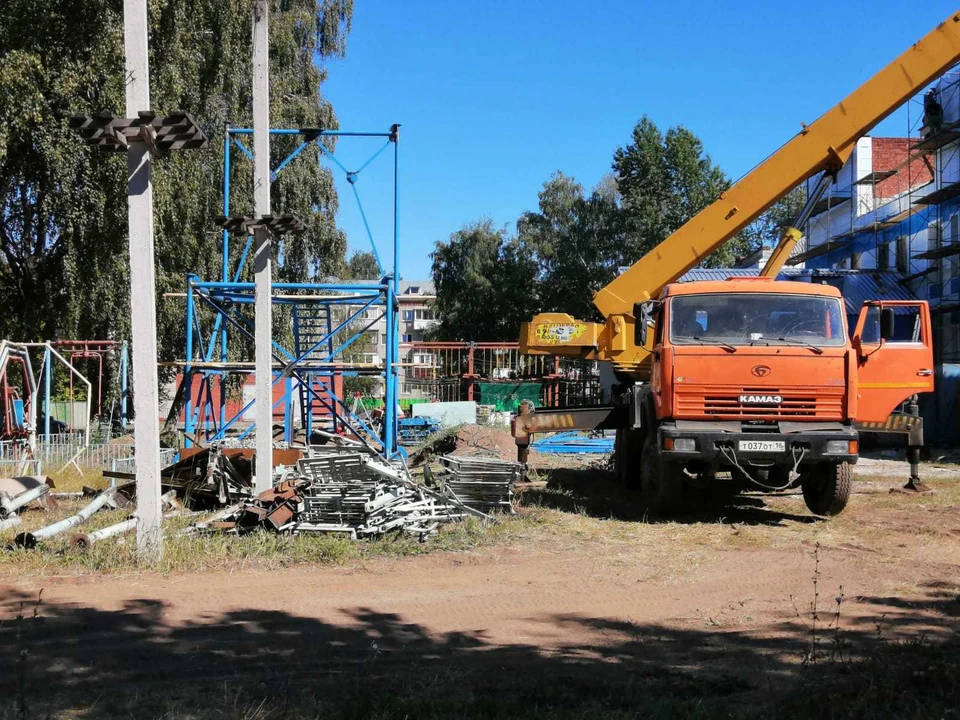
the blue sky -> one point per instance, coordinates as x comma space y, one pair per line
495, 96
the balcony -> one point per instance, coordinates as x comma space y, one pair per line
419, 324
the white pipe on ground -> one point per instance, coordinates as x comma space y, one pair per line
30, 539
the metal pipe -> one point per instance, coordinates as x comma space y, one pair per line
15, 503
10, 522
124, 381
46, 394
30, 539
187, 371
82, 541
341, 287
310, 131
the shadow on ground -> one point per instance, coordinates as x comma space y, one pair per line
595, 492
132, 662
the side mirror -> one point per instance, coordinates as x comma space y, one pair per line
887, 323
643, 313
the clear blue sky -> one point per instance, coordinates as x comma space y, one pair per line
495, 96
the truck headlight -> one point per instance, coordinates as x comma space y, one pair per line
684, 445
841, 447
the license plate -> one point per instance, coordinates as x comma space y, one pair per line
762, 446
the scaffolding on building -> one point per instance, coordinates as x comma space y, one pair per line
914, 232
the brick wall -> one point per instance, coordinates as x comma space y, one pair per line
891, 154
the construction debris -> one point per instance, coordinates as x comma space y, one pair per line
481, 483
337, 489
82, 541
10, 505
108, 498
210, 477
17, 493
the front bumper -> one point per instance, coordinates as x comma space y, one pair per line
715, 443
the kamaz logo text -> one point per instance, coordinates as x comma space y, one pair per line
761, 399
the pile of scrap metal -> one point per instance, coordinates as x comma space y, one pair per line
348, 490
209, 477
17, 493
482, 483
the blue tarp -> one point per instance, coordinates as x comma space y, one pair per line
573, 443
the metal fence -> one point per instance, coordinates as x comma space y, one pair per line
18, 468
129, 465
16, 458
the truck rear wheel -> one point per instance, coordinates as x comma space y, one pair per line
826, 488
661, 482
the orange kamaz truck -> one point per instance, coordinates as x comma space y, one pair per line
753, 382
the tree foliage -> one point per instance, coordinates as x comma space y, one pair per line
665, 179
578, 243
63, 223
575, 243
483, 279
362, 266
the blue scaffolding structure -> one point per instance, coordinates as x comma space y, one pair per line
327, 319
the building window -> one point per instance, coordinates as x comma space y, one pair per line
423, 314
405, 338
883, 256
903, 253
408, 315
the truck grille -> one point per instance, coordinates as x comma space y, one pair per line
823, 403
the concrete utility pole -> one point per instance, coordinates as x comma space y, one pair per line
143, 299
263, 309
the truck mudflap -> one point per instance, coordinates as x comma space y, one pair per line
728, 444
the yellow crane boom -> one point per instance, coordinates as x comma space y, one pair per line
822, 146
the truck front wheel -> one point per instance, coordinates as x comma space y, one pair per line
661, 482
826, 488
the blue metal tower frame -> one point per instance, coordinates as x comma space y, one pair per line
320, 334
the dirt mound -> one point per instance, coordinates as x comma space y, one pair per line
486, 440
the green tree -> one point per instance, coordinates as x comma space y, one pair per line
577, 242
362, 266
63, 247
664, 179
766, 231
485, 283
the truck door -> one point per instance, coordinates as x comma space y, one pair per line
894, 346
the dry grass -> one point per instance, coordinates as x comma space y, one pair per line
229, 552
69, 480
557, 516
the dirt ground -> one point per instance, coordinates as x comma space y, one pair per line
587, 608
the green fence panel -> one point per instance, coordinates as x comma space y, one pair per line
506, 397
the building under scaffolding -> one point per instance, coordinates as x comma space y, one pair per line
895, 212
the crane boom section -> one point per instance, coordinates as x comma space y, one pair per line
822, 146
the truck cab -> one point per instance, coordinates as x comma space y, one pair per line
758, 383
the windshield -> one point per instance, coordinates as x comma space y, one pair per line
756, 319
